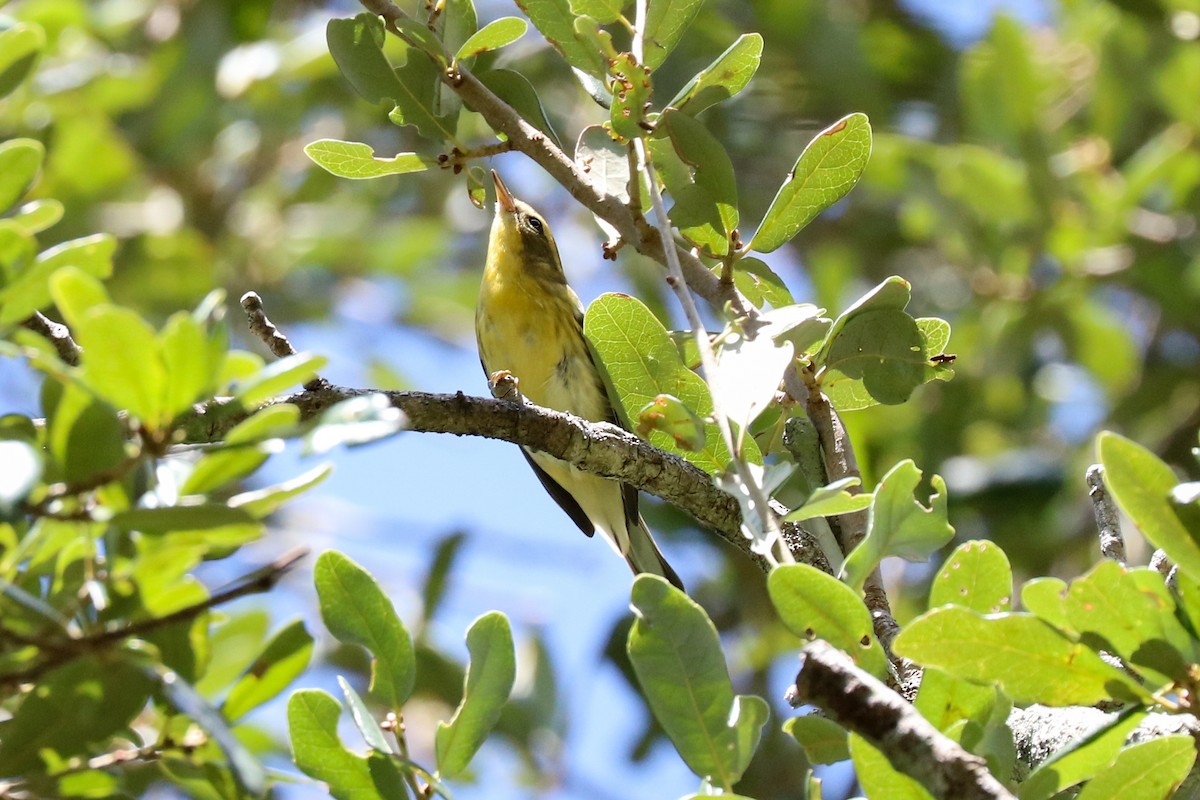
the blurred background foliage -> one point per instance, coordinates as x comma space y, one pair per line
1037, 184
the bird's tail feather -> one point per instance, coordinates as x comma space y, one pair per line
644, 555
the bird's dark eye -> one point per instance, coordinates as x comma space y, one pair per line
537, 225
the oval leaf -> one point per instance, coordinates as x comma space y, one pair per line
356, 611
356, 160
814, 605
977, 576
493, 36
826, 170
490, 675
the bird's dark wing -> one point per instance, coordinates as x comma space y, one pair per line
564, 498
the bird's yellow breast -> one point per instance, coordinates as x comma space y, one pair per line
531, 328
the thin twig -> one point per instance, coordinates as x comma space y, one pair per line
64, 650
856, 700
1108, 521
58, 334
272, 337
1160, 563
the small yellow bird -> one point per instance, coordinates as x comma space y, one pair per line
529, 324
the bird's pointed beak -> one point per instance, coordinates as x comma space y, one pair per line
504, 198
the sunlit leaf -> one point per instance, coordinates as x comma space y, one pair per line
279, 663
363, 720
1141, 484
556, 21
356, 611
723, 78
357, 161
831, 500
639, 362
1149, 770
496, 34
677, 656
20, 46
826, 170
823, 740
1031, 661
490, 675
20, 160
898, 524
814, 605
353, 422
669, 415
666, 21
977, 576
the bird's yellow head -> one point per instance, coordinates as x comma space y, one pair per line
521, 239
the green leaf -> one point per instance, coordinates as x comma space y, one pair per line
247, 771
877, 776
74, 292
747, 375
31, 291
190, 365
882, 350
723, 78
319, 753
38, 215
1083, 758
1043, 597
603, 11
936, 334
236, 458
899, 525
356, 611
490, 675
516, 90
274, 378
1141, 484
17, 248
358, 161
945, 700
281, 661
85, 435
669, 415
631, 96
198, 517
823, 740
666, 20
258, 503
20, 160
556, 22
831, 500
977, 576
705, 190
363, 720
357, 48
496, 34
639, 362
418, 35
20, 46
74, 711
22, 470
677, 657
1147, 770
814, 605
827, 169
357, 421
1032, 662
433, 588
1131, 614
121, 361
759, 283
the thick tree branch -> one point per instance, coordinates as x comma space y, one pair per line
859, 702
599, 448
